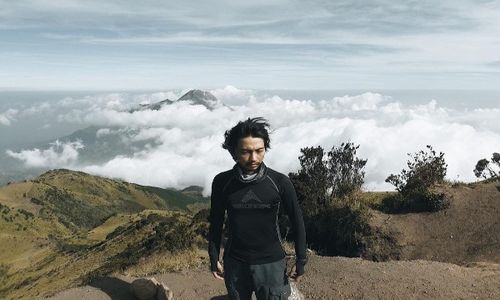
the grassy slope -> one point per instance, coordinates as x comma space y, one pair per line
81, 200
79, 260
466, 232
175, 199
99, 233
60, 210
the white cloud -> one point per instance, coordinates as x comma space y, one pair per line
231, 95
59, 154
36, 109
156, 97
103, 132
8, 116
184, 141
366, 101
179, 162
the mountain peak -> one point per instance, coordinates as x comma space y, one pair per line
201, 97
198, 95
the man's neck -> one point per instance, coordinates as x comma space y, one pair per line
250, 172
247, 172
248, 175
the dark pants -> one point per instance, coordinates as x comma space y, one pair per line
268, 281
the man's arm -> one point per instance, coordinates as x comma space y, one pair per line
216, 219
294, 213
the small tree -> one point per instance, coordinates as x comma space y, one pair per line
425, 169
320, 180
346, 172
333, 227
486, 170
311, 182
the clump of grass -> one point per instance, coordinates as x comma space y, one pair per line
4, 271
456, 183
167, 262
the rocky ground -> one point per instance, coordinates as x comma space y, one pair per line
331, 278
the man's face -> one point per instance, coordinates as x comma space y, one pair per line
250, 153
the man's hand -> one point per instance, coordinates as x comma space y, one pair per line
220, 272
293, 275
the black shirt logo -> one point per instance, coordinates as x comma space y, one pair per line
251, 200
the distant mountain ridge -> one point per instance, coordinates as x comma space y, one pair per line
102, 144
197, 97
82, 201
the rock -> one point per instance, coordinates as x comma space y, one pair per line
150, 289
164, 293
296, 294
144, 288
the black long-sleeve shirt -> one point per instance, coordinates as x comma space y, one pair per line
252, 209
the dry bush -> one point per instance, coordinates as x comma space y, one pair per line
425, 170
328, 191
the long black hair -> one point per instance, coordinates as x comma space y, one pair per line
255, 127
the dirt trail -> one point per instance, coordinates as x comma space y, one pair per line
332, 278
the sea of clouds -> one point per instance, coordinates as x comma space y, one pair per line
185, 147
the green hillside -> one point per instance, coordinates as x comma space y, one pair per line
83, 201
65, 227
74, 261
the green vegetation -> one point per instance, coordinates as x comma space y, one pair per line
425, 170
327, 190
4, 270
160, 234
75, 212
339, 230
74, 260
81, 201
489, 170
172, 198
65, 226
200, 226
322, 181
4, 209
27, 214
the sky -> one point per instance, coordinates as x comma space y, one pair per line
184, 141
272, 44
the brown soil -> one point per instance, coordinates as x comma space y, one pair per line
468, 231
331, 278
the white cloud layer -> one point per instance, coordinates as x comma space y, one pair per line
58, 155
185, 147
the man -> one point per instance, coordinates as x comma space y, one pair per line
252, 193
